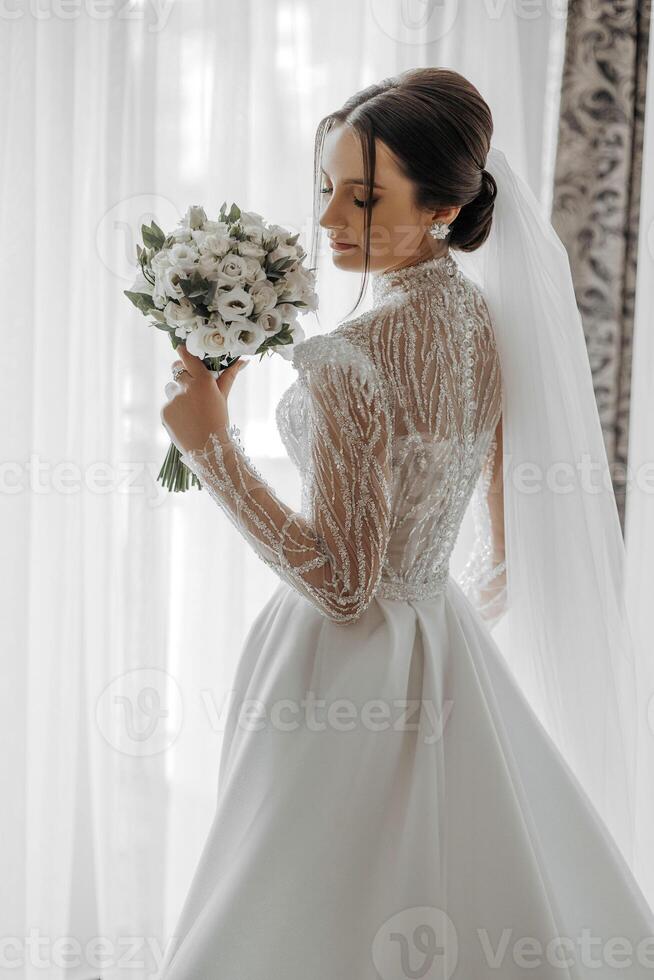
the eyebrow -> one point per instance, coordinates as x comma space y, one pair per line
353, 180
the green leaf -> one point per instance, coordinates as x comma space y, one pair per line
211, 293
153, 236
142, 301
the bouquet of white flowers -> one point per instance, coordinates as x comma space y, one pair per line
225, 288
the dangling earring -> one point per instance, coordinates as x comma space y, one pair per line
439, 229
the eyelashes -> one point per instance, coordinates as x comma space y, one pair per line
357, 203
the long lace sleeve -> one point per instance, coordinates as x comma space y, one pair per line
483, 578
333, 556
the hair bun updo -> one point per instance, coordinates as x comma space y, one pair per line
472, 225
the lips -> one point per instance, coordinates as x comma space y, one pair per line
340, 246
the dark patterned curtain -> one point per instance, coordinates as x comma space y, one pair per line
597, 194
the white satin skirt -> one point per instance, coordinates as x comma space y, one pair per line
390, 807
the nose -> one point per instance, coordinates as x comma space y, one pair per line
330, 217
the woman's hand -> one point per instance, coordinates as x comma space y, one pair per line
197, 401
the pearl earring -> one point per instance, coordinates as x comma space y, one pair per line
439, 229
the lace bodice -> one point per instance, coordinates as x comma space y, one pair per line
390, 422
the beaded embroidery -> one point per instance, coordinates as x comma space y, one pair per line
390, 423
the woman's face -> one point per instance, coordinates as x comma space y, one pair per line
398, 230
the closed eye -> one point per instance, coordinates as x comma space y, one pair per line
355, 200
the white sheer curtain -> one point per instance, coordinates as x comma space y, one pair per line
124, 609
639, 516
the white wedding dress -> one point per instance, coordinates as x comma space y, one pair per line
418, 821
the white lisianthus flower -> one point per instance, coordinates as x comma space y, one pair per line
195, 216
245, 338
182, 234
251, 250
210, 339
263, 296
168, 282
271, 321
160, 261
232, 269
184, 255
233, 304
181, 314
286, 350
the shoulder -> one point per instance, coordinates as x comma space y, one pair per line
327, 349
339, 356
338, 350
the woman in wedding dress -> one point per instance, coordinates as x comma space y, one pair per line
392, 807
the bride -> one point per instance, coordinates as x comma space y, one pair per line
410, 799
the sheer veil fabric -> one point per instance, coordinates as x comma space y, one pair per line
564, 632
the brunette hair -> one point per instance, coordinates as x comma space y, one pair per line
439, 129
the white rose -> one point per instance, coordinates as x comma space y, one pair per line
232, 269
208, 267
254, 271
195, 216
263, 296
279, 232
179, 314
246, 338
270, 321
252, 218
283, 252
310, 299
297, 287
212, 339
216, 244
292, 285
251, 250
233, 304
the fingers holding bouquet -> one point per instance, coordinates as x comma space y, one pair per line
197, 401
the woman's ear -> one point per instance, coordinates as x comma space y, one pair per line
447, 215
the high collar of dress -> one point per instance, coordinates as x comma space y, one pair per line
427, 271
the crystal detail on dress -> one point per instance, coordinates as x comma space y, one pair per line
389, 423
